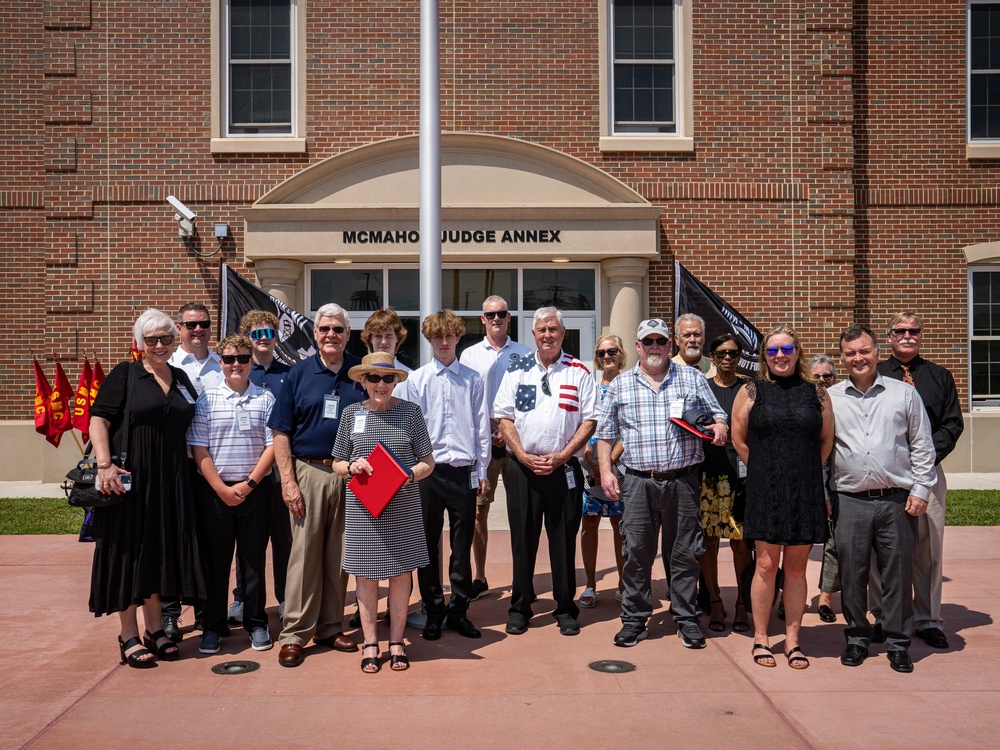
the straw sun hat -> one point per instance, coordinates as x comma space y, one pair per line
382, 363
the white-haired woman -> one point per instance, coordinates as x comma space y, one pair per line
145, 546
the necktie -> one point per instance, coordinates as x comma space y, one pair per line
907, 377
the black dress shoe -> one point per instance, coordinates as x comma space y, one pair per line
171, 628
900, 661
432, 630
853, 656
826, 613
934, 637
464, 627
877, 635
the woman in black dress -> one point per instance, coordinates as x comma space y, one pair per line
145, 546
783, 431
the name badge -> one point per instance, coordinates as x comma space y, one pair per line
570, 478
242, 419
331, 406
677, 409
741, 468
359, 422
473, 478
187, 396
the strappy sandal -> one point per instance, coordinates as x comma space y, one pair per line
371, 664
166, 652
741, 624
398, 662
763, 660
717, 626
135, 659
797, 662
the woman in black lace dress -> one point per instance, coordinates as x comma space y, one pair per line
783, 431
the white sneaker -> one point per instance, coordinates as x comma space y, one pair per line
236, 612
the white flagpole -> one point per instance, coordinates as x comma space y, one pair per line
430, 168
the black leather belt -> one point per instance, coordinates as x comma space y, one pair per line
660, 476
872, 494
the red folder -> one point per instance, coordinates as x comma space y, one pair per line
388, 475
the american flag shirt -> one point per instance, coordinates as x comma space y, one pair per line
547, 405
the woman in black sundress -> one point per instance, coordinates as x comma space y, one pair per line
783, 431
393, 545
145, 546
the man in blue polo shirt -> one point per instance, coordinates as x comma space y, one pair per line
304, 422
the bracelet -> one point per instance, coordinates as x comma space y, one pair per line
105, 465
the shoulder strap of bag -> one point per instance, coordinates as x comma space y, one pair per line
127, 424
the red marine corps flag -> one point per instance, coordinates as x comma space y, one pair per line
42, 393
60, 409
81, 404
95, 382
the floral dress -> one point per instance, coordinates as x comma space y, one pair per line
723, 495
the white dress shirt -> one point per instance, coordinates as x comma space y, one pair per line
453, 401
203, 373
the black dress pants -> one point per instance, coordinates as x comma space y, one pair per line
281, 543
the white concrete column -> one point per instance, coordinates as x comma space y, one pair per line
283, 279
627, 303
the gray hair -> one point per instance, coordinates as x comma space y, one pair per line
544, 313
494, 298
152, 320
823, 359
332, 310
689, 318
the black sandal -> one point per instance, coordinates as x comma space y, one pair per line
797, 662
371, 664
717, 626
763, 660
741, 625
133, 659
398, 662
167, 652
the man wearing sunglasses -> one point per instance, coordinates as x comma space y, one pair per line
490, 358
547, 408
689, 335
305, 420
660, 487
936, 387
452, 398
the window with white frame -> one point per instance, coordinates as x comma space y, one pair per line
259, 71
645, 57
984, 338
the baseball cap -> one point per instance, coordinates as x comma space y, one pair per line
653, 326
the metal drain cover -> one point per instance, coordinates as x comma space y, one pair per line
612, 665
236, 667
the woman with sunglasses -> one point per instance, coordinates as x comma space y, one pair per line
391, 546
783, 431
723, 494
609, 359
146, 547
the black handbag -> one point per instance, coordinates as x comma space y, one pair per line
79, 485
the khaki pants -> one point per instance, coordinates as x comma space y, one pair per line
316, 584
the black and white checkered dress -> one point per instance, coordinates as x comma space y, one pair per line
394, 543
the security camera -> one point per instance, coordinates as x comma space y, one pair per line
184, 217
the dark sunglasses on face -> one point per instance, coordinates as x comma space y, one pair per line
202, 324
262, 333
498, 314
229, 359
327, 329
650, 340
373, 378
786, 349
602, 353
905, 332
730, 353
825, 376
154, 340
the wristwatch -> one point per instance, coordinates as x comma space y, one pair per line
250, 483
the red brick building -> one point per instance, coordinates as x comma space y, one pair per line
813, 163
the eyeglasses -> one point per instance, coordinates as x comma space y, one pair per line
726, 353
262, 333
602, 353
230, 359
786, 349
825, 376
498, 314
202, 324
545, 385
372, 378
650, 340
326, 329
900, 332
154, 340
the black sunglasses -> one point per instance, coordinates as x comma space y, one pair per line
825, 376
601, 353
730, 353
262, 333
650, 340
498, 314
905, 331
229, 359
202, 324
373, 378
154, 340
327, 329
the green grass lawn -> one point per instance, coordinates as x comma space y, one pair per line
23, 515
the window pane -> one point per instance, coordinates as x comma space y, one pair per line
404, 289
567, 289
980, 320
354, 289
465, 289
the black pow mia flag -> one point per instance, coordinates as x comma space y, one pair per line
691, 296
295, 331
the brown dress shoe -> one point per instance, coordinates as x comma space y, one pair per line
338, 642
291, 655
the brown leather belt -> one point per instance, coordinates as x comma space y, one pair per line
316, 461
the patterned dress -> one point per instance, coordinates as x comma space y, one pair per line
394, 543
723, 494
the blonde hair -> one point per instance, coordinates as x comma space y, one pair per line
801, 369
618, 344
